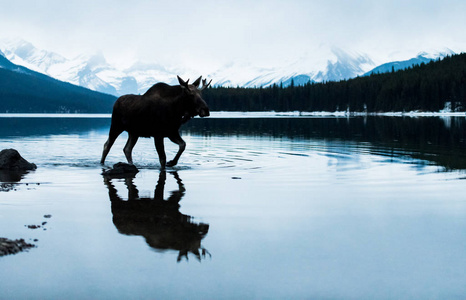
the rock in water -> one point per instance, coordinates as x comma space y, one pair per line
10, 159
13, 246
121, 170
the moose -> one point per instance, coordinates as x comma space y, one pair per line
158, 113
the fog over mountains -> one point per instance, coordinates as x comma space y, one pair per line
95, 73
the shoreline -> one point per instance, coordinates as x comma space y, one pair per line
256, 114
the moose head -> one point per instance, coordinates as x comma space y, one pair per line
196, 106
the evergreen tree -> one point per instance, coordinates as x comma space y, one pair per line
424, 87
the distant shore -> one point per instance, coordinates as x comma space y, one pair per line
257, 114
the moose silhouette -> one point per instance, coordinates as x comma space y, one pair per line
159, 113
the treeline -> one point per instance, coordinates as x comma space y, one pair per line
426, 87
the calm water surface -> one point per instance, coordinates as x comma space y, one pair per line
258, 208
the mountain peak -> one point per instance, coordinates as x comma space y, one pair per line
94, 72
24, 53
422, 57
435, 53
97, 60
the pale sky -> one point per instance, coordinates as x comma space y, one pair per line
197, 34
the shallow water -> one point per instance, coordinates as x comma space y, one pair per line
276, 208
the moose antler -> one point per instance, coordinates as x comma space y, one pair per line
182, 82
204, 85
197, 82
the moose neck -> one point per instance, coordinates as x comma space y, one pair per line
182, 110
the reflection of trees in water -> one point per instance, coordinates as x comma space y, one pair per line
439, 140
158, 220
46, 126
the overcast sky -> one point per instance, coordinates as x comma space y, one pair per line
212, 33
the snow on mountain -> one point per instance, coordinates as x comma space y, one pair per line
8, 65
90, 71
337, 65
239, 73
422, 57
83, 70
4, 62
146, 75
436, 54
25, 54
94, 72
345, 65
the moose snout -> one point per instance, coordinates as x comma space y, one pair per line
204, 113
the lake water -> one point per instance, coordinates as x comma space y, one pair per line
258, 208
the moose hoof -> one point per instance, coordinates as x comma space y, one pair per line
171, 163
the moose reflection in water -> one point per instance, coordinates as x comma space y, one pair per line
158, 220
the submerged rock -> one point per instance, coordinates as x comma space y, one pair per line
121, 170
11, 175
6, 187
13, 246
10, 159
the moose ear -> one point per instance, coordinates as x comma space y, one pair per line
197, 82
182, 82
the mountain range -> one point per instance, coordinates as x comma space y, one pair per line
27, 91
95, 73
422, 57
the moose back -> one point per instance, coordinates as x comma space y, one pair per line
159, 113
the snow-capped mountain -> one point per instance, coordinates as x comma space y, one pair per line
24, 90
94, 72
337, 65
146, 75
82, 70
422, 57
25, 54
8, 65
90, 71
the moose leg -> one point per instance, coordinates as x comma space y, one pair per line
176, 138
109, 143
160, 186
128, 149
133, 192
160, 151
112, 192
